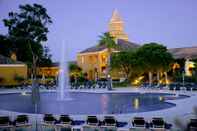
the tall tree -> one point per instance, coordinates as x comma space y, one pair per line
128, 62
120, 61
27, 30
5, 46
156, 58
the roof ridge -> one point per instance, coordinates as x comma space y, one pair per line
183, 47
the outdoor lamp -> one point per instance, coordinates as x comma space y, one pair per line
108, 76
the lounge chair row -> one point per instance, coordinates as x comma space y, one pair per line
181, 86
108, 123
90, 85
65, 122
20, 122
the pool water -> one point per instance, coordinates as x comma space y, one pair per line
88, 103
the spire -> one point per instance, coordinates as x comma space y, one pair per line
115, 16
116, 26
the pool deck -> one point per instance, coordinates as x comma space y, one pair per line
183, 109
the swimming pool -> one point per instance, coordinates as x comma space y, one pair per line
88, 103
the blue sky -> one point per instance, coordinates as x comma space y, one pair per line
78, 23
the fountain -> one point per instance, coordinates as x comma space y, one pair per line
63, 81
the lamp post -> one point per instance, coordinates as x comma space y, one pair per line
109, 81
183, 78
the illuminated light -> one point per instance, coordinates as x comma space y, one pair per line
136, 103
189, 65
168, 82
176, 66
138, 80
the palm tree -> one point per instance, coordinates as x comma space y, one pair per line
107, 40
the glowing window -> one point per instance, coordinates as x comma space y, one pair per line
82, 60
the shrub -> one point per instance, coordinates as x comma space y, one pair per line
19, 78
121, 84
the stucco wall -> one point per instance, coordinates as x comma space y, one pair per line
88, 62
10, 71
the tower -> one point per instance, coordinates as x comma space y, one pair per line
116, 26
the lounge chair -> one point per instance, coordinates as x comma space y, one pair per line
5, 123
158, 123
49, 118
22, 122
65, 123
192, 125
92, 120
109, 121
92, 124
109, 124
49, 122
65, 119
139, 122
178, 86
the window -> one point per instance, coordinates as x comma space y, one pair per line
82, 59
104, 59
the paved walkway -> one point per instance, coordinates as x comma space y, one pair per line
183, 109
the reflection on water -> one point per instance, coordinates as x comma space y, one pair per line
161, 98
104, 103
136, 103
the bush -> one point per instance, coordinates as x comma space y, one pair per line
121, 84
19, 78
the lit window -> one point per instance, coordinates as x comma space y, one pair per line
82, 60
104, 59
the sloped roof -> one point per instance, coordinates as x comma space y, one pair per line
186, 52
124, 45
7, 60
178, 53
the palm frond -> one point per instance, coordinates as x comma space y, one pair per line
107, 40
